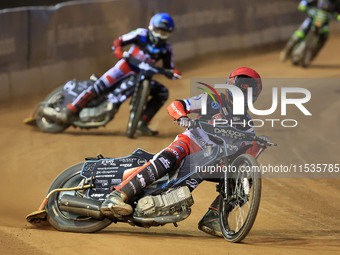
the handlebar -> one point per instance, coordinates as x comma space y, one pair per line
263, 140
149, 68
312, 11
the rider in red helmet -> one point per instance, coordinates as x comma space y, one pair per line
243, 78
190, 141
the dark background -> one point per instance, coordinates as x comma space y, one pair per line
17, 3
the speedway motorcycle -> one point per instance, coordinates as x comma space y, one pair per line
304, 52
74, 198
101, 110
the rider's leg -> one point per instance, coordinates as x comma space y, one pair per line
102, 85
159, 94
122, 91
115, 203
162, 163
296, 38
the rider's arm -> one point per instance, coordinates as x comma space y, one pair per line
168, 61
168, 58
126, 39
180, 108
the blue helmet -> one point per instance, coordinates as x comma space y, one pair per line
161, 26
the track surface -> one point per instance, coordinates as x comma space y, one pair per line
296, 216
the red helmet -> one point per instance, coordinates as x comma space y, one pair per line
243, 78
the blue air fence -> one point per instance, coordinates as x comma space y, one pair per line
36, 41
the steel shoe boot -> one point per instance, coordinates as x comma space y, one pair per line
210, 223
115, 206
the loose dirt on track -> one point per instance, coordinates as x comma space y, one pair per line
296, 216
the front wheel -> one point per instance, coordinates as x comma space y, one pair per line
238, 208
307, 58
138, 103
64, 221
312, 42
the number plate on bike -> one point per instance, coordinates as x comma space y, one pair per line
109, 172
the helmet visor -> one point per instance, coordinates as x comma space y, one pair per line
160, 33
244, 83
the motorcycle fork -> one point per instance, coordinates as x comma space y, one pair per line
226, 184
140, 78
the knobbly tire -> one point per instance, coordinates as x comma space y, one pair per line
68, 222
237, 213
311, 42
297, 53
138, 103
307, 58
46, 125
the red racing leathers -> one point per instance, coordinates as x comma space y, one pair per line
141, 49
190, 141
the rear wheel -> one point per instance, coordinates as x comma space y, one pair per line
238, 208
138, 104
64, 221
52, 100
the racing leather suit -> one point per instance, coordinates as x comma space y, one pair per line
141, 49
327, 5
190, 141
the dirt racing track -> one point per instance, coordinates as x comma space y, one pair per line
296, 216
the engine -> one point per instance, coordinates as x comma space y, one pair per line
167, 203
97, 114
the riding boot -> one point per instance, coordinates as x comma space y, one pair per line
144, 130
134, 185
66, 115
82, 100
115, 205
210, 222
70, 112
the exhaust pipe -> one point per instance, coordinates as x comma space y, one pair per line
81, 206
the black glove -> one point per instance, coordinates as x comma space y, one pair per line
173, 74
